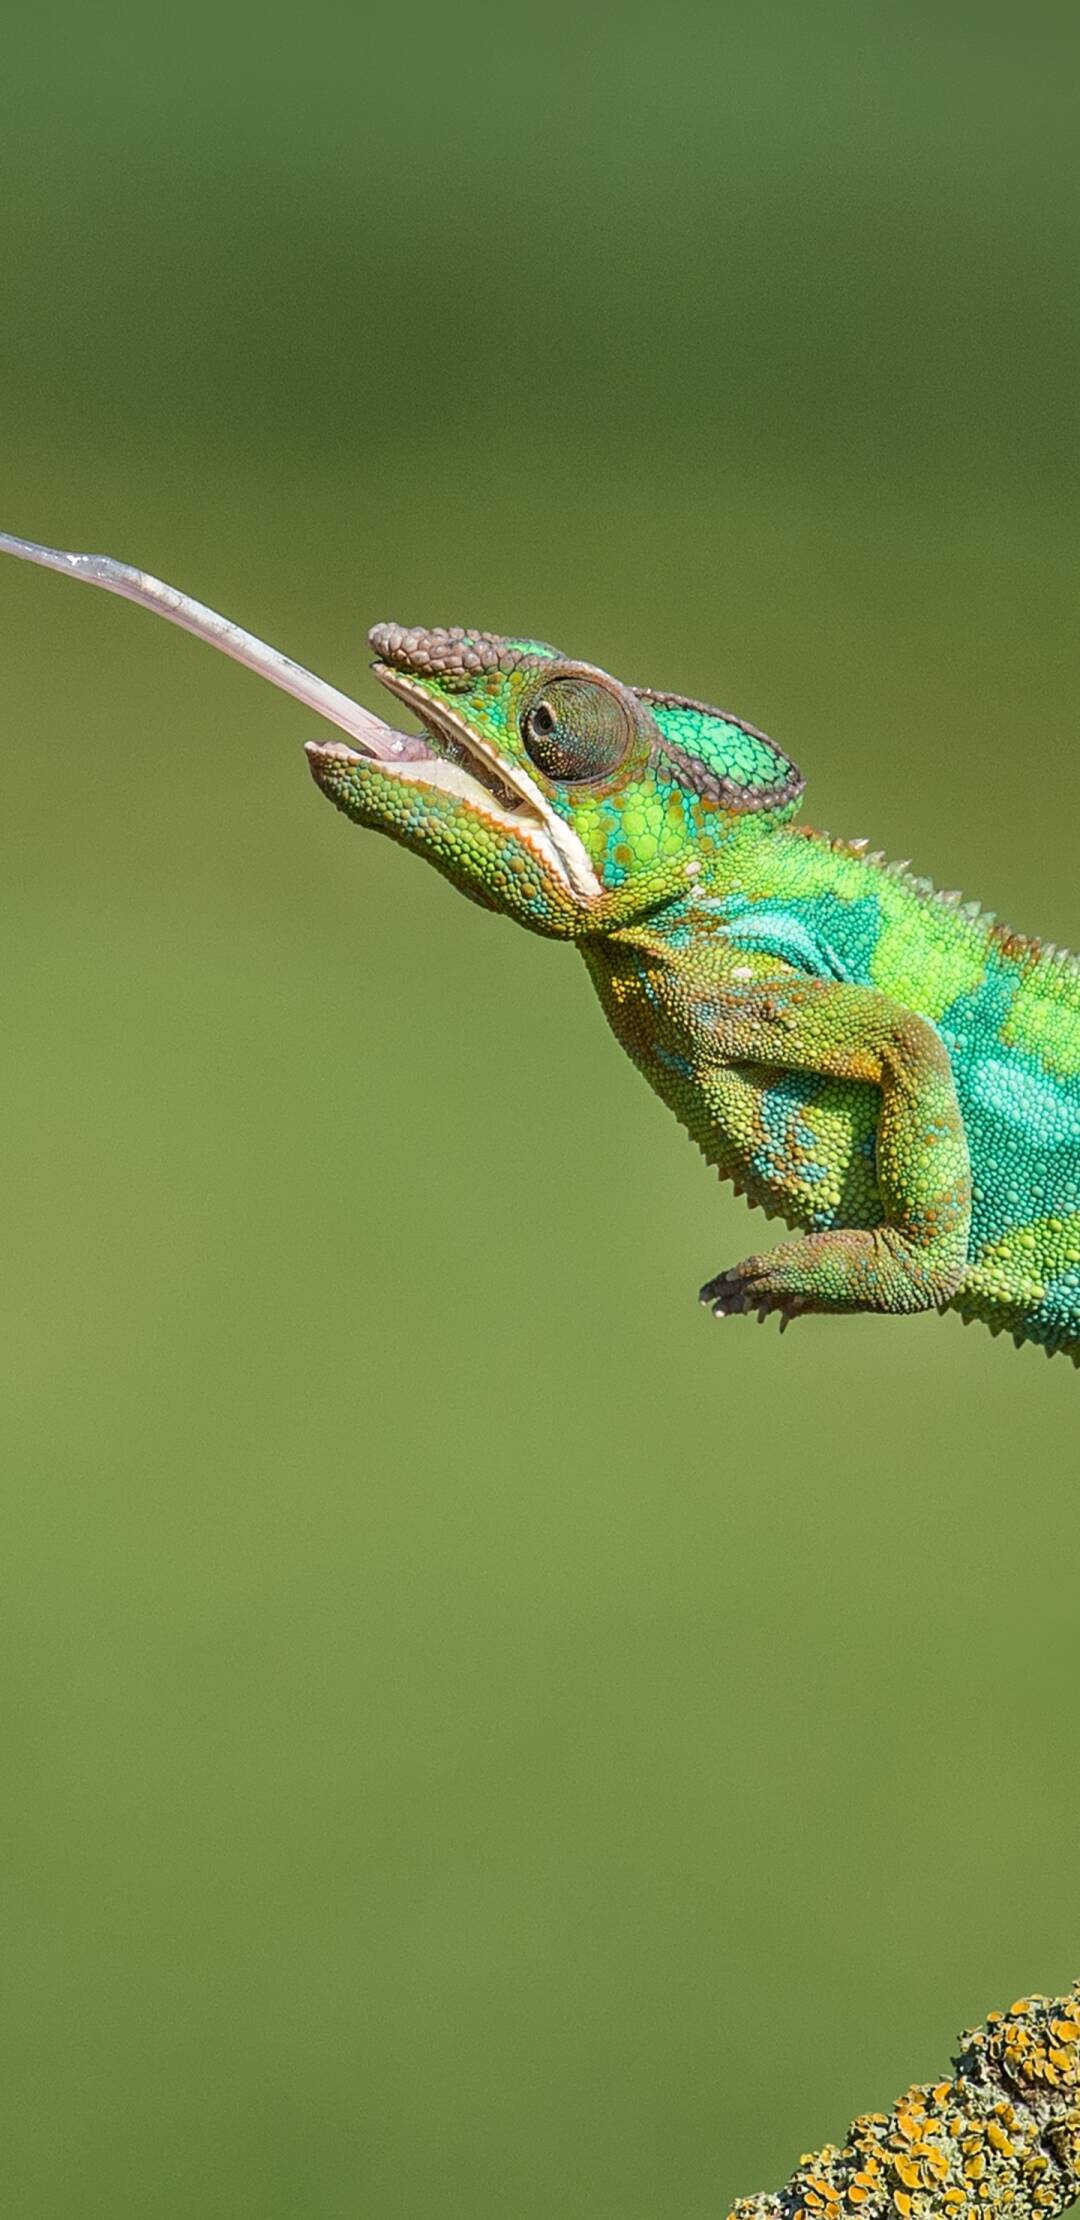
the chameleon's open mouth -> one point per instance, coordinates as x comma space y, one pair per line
450, 756
454, 743
417, 764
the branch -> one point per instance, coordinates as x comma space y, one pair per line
1001, 2138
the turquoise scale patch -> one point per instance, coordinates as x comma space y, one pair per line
1022, 1123
672, 1060
819, 934
781, 1106
1058, 1315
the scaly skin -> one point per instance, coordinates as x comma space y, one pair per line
878, 1065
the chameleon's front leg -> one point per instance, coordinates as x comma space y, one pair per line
916, 1258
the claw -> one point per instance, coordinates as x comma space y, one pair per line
730, 1296
725, 1296
738, 1293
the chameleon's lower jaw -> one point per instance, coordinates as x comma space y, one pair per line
322, 753
348, 777
319, 751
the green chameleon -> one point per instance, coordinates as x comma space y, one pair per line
884, 1067
875, 1063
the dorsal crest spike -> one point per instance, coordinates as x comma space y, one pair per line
1019, 947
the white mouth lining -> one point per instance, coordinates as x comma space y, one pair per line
548, 833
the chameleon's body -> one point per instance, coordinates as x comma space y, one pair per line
872, 1062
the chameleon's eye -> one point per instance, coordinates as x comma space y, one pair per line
575, 729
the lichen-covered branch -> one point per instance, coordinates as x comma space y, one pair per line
1001, 2137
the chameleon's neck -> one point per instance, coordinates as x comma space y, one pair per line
759, 860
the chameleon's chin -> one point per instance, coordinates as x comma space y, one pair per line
333, 765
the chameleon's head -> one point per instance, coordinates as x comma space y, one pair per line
547, 789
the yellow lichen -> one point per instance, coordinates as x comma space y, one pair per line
1002, 2136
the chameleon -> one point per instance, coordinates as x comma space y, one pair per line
879, 1064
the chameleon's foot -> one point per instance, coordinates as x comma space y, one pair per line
744, 1290
882, 1270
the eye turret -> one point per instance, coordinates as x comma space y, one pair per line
574, 728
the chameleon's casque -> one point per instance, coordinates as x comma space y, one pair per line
883, 1066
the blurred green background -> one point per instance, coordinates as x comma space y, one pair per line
479, 1739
